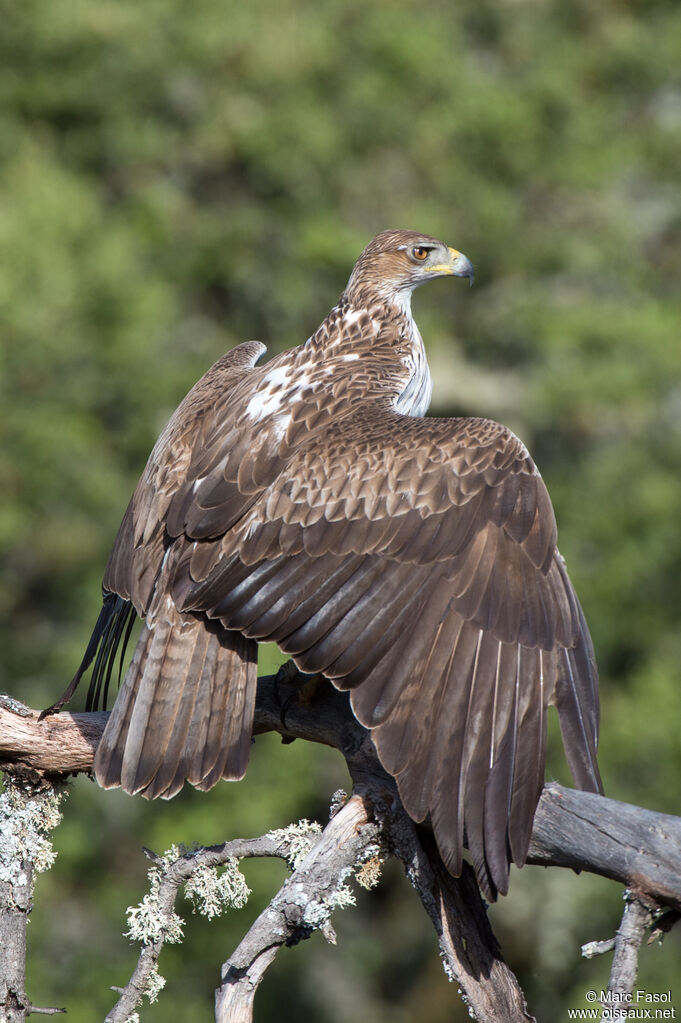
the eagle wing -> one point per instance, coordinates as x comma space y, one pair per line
194, 435
414, 563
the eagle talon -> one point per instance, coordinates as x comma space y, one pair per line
288, 673
305, 686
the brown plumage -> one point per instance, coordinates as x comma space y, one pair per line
412, 561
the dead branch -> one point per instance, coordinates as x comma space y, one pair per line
640, 848
636, 920
156, 921
16, 890
637, 917
304, 903
27, 813
470, 954
469, 951
637, 847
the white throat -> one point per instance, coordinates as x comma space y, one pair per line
415, 398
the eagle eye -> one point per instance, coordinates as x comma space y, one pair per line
420, 252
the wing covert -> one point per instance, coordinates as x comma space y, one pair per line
414, 562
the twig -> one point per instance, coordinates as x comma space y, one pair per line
156, 921
303, 904
636, 919
597, 948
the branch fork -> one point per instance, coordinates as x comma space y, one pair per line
629, 844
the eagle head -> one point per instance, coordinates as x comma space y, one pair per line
396, 262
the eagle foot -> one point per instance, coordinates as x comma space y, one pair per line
305, 688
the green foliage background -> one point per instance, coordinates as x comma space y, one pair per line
175, 178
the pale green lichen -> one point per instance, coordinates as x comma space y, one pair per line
212, 892
341, 898
369, 871
148, 922
27, 814
338, 801
165, 862
154, 985
299, 839
316, 912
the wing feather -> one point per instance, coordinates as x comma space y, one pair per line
419, 772
412, 561
430, 586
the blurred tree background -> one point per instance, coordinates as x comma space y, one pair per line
176, 178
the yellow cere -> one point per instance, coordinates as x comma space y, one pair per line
446, 268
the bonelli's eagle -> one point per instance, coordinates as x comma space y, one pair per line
412, 561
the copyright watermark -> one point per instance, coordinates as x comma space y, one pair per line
609, 1006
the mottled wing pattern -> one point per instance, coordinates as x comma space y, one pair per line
137, 553
185, 709
413, 562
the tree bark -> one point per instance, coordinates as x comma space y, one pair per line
640, 848
637, 847
304, 902
28, 811
16, 889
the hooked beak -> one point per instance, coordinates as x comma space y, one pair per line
458, 266
462, 266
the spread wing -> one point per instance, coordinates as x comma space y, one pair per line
414, 563
194, 434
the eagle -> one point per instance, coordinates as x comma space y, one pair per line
412, 561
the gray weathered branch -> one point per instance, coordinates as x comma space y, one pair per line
16, 890
66, 743
636, 919
638, 915
637, 847
161, 919
28, 812
304, 903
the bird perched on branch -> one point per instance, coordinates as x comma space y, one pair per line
412, 561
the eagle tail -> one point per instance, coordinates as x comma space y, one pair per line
184, 711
